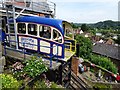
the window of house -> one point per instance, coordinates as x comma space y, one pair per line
21, 28
32, 29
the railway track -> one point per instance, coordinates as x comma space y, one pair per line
77, 83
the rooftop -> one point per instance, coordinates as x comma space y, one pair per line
111, 51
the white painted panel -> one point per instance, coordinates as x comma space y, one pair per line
57, 49
43, 47
12, 38
28, 41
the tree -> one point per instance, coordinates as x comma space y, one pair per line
85, 46
74, 25
84, 27
118, 40
104, 62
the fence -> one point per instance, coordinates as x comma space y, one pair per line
23, 51
39, 5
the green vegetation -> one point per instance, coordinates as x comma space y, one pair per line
104, 62
118, 40
34, 67
44, 84
104, 27
40, 84
27, 75
86, 53
99, 86
8, 81
84, 27
74, 25
108, 24
85, 46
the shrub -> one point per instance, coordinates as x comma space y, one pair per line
104, 62
40, 84
85, 46
34, 67
98, 86
45, 84
9, 82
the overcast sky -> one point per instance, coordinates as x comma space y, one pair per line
87, 11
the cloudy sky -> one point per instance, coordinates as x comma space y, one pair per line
87, 11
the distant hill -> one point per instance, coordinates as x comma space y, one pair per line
108, 24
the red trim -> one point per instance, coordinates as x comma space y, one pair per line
118, 78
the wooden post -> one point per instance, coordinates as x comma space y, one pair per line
75, 63
70, 65
60, 74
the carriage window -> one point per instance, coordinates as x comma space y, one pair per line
45, 32
57, 36
68, 32
21, 28
32, 29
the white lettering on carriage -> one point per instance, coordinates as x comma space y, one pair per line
27, 42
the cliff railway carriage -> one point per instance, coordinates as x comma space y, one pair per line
46, 36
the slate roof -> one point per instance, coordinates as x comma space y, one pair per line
111, 51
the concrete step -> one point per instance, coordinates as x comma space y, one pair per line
0, 54
2, 63
0, 47
1, 69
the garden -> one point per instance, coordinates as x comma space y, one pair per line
85, 52
29, 74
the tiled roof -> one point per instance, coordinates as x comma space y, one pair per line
111, 51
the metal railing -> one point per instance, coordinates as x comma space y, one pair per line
70, 45
42, 6
28, 53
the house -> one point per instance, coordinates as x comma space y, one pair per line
78, 31
101, 41
108, 50
98, 34
110, 41
95, 38
115, 37
81, 31
88, 35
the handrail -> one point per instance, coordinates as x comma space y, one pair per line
68, 38
69, 46
44, 6
24, 52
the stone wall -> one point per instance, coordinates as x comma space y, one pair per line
2, 60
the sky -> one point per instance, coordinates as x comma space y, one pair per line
86, 11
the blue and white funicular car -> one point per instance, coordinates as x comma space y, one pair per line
45, 36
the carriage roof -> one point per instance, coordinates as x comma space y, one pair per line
41, 20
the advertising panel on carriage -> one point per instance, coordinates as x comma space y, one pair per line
27, 42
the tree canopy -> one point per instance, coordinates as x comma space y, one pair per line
84, 27
104, 62
118, 40
85, 46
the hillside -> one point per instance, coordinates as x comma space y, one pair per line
108, 24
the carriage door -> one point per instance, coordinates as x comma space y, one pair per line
58, 45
